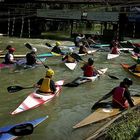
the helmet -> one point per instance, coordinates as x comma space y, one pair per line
70, 50
58, 43
34, 49
128, 81
49, 72
11, 49
90, 61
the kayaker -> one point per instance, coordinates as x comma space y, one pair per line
79, 39
121, 97
68, 58
136, 67
83, 49
89, 69
56, 48
9, 57
31, 57
114, 48
46, 85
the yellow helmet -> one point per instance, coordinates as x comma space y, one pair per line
58, 43
49, 72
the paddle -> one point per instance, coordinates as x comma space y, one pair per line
30, 47
77, 57
113, 77
20, 130
12, 89
97, 103
48, 44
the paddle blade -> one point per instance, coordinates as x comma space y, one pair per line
27, 45
76, 56
12, 89
113, 77
21, 129
48, 44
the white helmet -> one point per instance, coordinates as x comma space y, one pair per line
34, 49
70, 50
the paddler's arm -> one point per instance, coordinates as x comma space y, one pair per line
37, 85
52, 86
107, 95
128, 97
103, 98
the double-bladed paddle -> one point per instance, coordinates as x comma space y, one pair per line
20, 130
27, 45
97, 103
12, 89
48, 44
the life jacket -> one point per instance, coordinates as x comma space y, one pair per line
8, 58
45, 86
30, 58
114, 50
89, 71
118, 98
137, 69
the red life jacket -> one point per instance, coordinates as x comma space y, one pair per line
118, 99
88, 71
114, 50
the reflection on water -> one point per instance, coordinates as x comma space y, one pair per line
71, 106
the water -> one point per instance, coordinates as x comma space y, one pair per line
71, 106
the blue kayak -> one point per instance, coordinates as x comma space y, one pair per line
7, 136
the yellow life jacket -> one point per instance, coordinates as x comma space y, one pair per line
45, 87
137, 68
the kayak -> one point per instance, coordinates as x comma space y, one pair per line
126, 66
111, 56
2, 65
21, 63
71, 66
36, 99
82, 79
48, 54
134, 57
104, 111
89, 52
7, 136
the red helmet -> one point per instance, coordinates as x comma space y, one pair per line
11, 49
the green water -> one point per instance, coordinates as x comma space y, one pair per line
71, 106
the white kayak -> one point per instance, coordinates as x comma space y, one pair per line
111, 56
35, 99
82, 79
71, 66
89, 52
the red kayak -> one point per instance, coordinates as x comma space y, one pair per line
35, 99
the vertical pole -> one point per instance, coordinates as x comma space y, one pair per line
117, 34
22, 25
71, 27
134, 30
13, 27
8, 30
29, 28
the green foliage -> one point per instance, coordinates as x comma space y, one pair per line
126, 128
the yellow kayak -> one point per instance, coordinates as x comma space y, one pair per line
102, 113
126, 66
